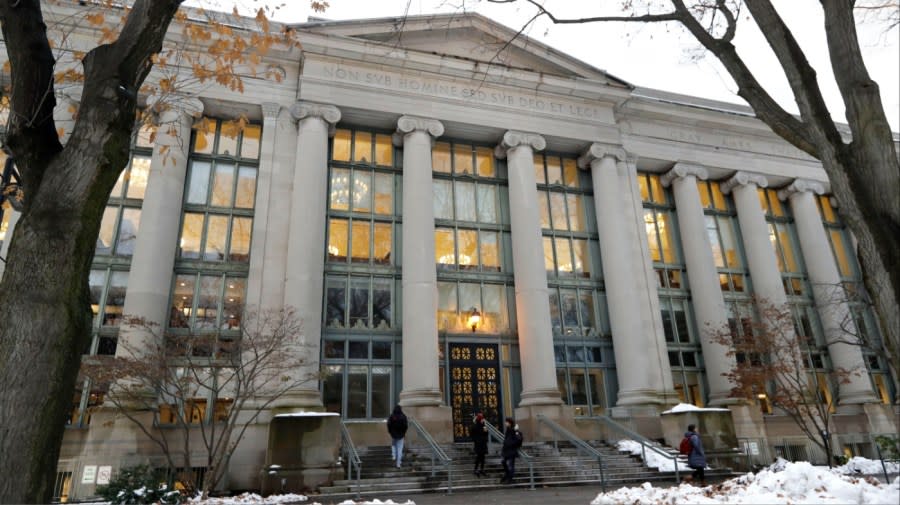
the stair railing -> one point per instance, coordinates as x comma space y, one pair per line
580, 445
436, 453
495, 433
646, 443
353, 461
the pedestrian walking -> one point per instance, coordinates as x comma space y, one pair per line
397, 426
696, 458
512, 441
479, 434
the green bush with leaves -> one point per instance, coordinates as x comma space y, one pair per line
138, 485
889, 445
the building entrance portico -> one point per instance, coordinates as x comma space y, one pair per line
474, 386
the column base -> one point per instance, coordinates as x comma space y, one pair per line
436, 419
724, 400
532, 430
424, 397
304, 400
537, 397
646, 397
857, 397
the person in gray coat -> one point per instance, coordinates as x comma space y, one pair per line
697, 458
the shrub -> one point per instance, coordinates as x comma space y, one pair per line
889, 445
139, 485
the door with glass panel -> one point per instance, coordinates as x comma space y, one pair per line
474, 386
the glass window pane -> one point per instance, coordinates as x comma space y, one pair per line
250, 142
467, 245
718, 197
384, 194
575, 207
543, 201
703, 189
539, 174
362, 147
340, 150
595, 384
333, 389
360, 241
381, 391
665, 232
469, 297
182, 301
840, 253
357, 391
554, 170
787, 246
444, 247
96, 283
828, 213
490, 250
582, 260
564, 256
440, 157
358, 350
204, 135
442, 191
713, 233
586, 309
359, 303
208, 302
198, 187
235, 287
555, 318
447, 306
384, 150
362, 191
558, 211
382, 244
335, 302
332, 349
340, 189
137, 176
381, 350
494, 317
657, 190
729, 242
107, 231
246, 188
223, 186
465, 201
645, 189
484, 159
128, 231
216, 236
568, 306
115, 298
117, 189
381, 304
191, 231
549, 262
462, 159
241, 230
228, 137
487, 204
570, 173
681, 324
337, 240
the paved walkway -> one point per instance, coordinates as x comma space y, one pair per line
574, 495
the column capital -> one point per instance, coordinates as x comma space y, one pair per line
270, 110
304, 110
409, 124
799, 186
743, 179
682, 169
598, 151
513, 139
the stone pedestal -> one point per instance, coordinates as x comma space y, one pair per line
533, 431
436, 419
303, 452
882, 418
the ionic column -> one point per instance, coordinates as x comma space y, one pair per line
706, 293
150, 279
828, 291
532, 295
421, 386
638, 385
306, 260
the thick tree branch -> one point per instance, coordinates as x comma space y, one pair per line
645, 18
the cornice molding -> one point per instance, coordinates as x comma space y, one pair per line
512, 139
682, 169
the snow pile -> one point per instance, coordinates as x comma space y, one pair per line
797, 483
251, 499
375, 502
865, 466
687, 407
654, 460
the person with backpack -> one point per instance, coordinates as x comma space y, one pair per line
512, 441
479, 434
397, 426
692, 447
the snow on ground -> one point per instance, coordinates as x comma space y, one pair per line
865, 466
795, 483
654, 460
277, 499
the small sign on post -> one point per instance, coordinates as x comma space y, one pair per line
89, 474
104, 473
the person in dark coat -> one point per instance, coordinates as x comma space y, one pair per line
397, 426
512, 441
696, 458
479, 434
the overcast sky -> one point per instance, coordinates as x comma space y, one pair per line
658, 56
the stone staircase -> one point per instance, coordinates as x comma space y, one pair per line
558, 465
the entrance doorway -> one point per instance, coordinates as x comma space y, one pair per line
474, 386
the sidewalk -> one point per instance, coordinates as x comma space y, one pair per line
574, 495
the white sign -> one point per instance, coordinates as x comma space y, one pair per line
89, 475
104, 473
754, 448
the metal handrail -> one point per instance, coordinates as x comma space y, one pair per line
493, 431
353, 460
645, 442
581, 445
436, 452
